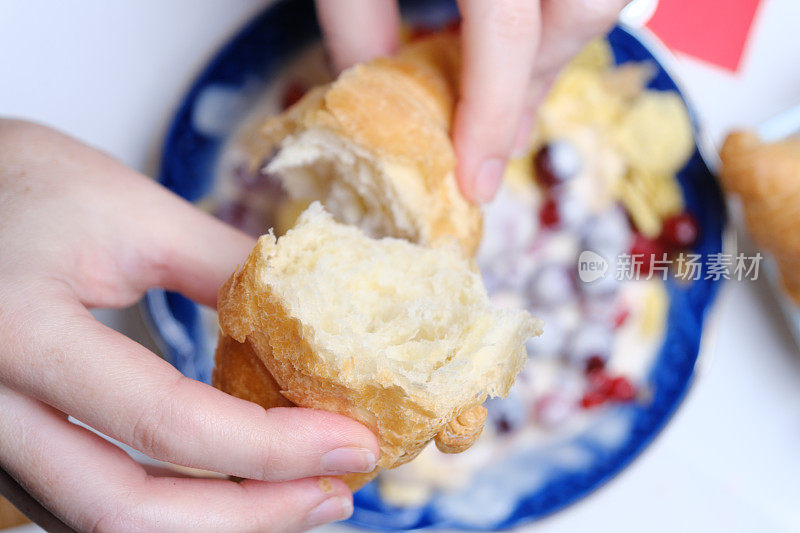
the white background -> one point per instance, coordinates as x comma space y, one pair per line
111, 72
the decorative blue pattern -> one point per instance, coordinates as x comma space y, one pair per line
529, 485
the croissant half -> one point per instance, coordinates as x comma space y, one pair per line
374, 147
397, 336
766, 176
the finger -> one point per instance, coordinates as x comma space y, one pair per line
65, 358
94, 486
536, 93
187, 250
568, 25
499, 41
126, 232
358, 30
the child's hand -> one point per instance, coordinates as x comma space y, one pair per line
78, 230
512, 49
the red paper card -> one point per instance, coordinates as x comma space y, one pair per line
712, 30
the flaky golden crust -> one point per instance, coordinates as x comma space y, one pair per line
462, 431
249, 313
241, 373
400, 111
766, 176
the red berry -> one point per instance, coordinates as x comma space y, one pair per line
621, 317
548, 214
622, 390
504, 426
680, 231
294, 92
600, 382
555, 163
643, 252
594, 364
592, 399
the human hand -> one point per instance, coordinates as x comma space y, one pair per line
512, 50
79, 230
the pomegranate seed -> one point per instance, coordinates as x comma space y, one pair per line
594, 364
294, 92
643, 252
680, 231
592, 399
548, 214
622, 390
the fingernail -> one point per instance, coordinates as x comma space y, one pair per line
487, 180
349, 459
331, 510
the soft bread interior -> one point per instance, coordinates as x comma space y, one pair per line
390, 313
374, 147
382, 198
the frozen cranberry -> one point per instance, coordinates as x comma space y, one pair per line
590, 339
622, 390
680, 231
508, 414
621, 317
548, 214
293, 92
594, 364
556, 162
643, 252
504, 426
592, 399
600, 382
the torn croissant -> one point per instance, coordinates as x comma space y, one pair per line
374, 147
766, 177
400, 337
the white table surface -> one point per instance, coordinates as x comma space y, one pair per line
110, 72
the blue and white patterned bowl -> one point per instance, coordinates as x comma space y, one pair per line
529, 485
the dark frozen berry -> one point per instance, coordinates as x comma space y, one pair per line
556, 162
680, 231
548, 214
644, 252
595, 363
